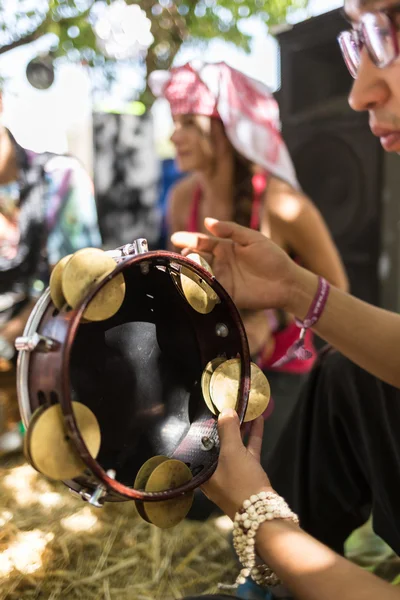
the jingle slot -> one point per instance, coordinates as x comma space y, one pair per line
41, 397
53, 398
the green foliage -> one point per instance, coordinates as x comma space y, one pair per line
173, 21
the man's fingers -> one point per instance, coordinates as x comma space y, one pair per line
233, 231
256, 436
195, 241
229, 430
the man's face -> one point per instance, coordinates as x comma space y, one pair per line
377, 90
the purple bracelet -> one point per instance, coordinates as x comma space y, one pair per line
297, 350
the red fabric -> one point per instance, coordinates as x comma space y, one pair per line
284, 338
246, 107
188, 95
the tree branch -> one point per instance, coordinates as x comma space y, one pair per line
27, 39
41, 30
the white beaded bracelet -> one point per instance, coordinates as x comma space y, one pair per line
261, 507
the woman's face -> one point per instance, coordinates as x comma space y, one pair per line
195, 139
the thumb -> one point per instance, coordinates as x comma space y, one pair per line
229, 430
227, 229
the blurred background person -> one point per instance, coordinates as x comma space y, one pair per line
227, 139
47, 210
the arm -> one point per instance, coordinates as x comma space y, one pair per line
308, 568
314, 572
258, 331
76, 226
368, 335
15, 326
259, 275
178, 206
304, 232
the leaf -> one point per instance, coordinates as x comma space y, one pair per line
173, 23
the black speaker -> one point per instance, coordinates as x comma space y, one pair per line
339, 163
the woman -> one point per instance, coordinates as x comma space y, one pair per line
226, 137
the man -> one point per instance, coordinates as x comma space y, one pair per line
339, 458
47, 210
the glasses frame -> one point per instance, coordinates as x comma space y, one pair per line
354, 40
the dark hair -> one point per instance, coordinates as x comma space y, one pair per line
242, 189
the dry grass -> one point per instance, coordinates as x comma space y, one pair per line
54, 546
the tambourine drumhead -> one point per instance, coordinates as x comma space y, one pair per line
139, 372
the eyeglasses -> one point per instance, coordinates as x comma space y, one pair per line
378, 32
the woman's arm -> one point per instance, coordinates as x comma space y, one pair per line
258, 332
308, 568
178, 206
303, 230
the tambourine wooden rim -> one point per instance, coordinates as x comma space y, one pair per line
68, 331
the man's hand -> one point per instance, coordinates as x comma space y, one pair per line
239, 474
254, 271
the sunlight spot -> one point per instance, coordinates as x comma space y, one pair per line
28, 485
290, 207
5, 517
25, 553
224, 524
50, 499
81, 521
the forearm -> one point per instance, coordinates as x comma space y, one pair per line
313, 572
16, 326
258, 330
367, 335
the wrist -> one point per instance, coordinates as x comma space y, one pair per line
303, 288
237, 504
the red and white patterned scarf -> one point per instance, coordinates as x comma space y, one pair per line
246, 107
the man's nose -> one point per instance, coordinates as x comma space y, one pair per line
369, 89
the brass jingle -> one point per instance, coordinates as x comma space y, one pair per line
199, 260
260, 394
56, 292
224, 388
168, 475
206, 379
146, 470
85, 269
49, 447
197, 292
141, 479
35, 415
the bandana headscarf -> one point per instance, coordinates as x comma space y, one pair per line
246, 107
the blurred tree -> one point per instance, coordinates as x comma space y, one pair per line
173, 22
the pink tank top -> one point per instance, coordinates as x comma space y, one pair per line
284, 338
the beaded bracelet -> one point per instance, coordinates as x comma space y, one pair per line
261, 507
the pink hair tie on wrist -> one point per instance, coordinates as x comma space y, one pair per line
298, 350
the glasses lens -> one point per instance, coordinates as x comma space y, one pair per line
350, 47
379, 38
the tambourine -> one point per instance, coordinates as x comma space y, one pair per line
111, 397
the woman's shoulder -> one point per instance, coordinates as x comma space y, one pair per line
284, 202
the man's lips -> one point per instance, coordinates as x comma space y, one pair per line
389, 138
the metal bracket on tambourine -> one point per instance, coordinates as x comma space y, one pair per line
139, 246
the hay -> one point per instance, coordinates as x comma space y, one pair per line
54, 546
